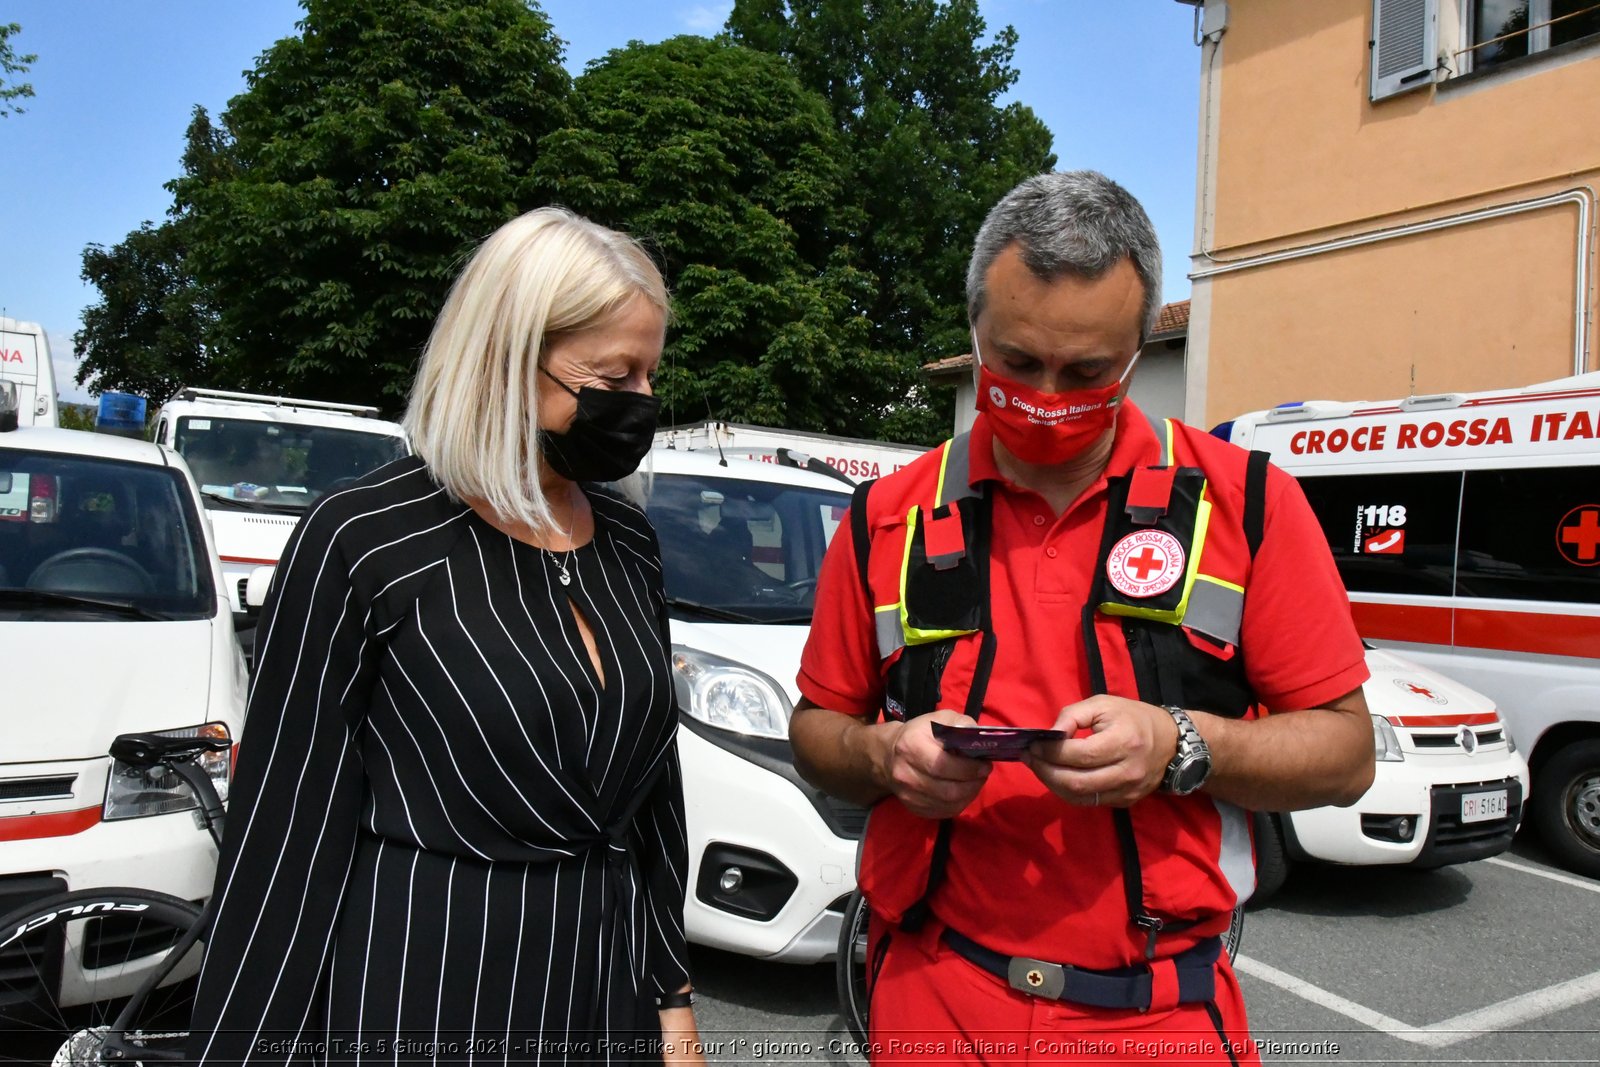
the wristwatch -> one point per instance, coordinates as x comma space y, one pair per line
1191, 765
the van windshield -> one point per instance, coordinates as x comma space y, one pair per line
278, 466
82, 535
735, 550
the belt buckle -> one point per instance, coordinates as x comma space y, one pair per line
1036, 977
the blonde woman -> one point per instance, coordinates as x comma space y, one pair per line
457, 824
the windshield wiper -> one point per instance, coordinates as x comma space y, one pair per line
277, 507
720, 614
248, 505
72, 600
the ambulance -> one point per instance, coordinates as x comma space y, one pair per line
856, 459
25, 363
261, 461
1467, 529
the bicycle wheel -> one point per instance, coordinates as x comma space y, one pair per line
850, 965
70, 963
1234, 934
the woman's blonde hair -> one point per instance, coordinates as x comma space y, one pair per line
474, 415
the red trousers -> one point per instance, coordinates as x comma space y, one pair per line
931, 1006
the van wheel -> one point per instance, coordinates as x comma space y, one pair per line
1272, 859
1566, 806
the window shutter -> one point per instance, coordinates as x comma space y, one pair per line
1405, 42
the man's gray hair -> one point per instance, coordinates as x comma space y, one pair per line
1069, 222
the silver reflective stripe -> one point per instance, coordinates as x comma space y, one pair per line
1234, 857
887, 622
957, 471
1214, 610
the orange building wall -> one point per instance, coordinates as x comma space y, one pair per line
1356, 324
1301, 149
1303, 157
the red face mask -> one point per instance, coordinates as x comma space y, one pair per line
1046, 428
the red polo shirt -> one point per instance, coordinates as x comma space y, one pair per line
1025, 870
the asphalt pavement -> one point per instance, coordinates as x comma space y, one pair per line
1489, 962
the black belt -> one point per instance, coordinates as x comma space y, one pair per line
1129, 988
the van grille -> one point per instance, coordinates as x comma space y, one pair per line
242, 583
1452, 841
37, 788
1452, 740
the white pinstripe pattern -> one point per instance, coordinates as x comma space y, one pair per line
410, 698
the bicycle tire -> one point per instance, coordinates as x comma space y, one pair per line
850, 965
70, 963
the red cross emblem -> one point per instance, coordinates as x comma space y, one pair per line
1145, 563
1578, 535
1419, 690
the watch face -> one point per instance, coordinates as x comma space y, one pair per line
1191, 775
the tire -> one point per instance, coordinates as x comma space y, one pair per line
850, 965
1272, 858
71, 962
1566, 806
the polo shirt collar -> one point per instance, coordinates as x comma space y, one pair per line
1134, 444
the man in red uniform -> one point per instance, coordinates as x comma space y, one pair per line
1069, 565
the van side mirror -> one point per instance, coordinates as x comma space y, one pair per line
256, 586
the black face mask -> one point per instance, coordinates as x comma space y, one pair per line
608, 438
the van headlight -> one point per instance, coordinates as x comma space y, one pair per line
1385, 742
134, 792
729, 695
1505, 732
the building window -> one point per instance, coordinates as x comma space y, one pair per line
1503, 30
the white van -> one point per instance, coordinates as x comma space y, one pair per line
25, 362
112, 620
771, 859
262, 460
1467, 530
856, 459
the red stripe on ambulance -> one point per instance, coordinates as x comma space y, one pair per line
1505, 631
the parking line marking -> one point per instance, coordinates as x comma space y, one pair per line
1323, 998
1494, 1018
1544, 872
1517, 1010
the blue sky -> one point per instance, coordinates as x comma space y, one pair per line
1117, 83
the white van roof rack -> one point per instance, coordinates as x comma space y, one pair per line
190, 393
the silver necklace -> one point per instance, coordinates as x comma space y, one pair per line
564, 561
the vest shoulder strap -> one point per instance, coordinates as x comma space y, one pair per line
861, 531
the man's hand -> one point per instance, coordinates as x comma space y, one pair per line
1121, 761
929, 781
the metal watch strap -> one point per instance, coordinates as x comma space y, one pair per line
1189, 740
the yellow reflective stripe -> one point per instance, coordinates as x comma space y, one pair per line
911, 634
938, 491
1166, 441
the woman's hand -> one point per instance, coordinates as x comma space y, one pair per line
680, 1038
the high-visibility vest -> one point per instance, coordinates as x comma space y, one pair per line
922, 542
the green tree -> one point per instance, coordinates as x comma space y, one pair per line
720, 159
149, 333
12, 65
146, 334
915, 95
363, 160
